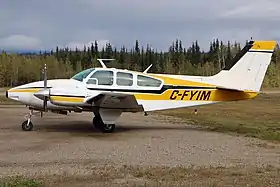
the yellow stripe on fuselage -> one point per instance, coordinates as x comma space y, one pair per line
198, 95
180, 82
67, 99
54, 98
29, 90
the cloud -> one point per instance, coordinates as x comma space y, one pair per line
80, 46
258, 10
17, 42
73, 23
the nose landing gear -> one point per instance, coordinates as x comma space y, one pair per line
27, 125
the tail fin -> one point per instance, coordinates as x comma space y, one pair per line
247, 69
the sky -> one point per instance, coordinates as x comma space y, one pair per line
43, 25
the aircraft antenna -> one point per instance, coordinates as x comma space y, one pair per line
102, 59
146, 70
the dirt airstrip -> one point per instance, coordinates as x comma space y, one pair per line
68, 144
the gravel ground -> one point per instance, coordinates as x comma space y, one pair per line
68, 144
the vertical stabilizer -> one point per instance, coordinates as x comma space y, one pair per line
247, 69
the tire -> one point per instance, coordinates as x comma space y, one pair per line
26, 127
97, 123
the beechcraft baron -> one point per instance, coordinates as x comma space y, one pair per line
108, 92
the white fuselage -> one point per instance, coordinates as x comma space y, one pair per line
149, 91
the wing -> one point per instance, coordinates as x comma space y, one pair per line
126, 102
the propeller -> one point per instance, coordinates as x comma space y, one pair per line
45, 92
45, 87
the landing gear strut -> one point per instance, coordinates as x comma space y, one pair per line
105, 128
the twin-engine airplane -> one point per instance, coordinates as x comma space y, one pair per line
108, 92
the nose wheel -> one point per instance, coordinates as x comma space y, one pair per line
27, 125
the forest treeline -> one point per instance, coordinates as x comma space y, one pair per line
17, 69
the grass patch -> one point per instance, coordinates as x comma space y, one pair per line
20, 182
5, 101
160, 176
3, 89
258, 117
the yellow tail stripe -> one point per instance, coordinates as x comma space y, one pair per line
264, 45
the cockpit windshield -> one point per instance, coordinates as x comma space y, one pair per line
83, 74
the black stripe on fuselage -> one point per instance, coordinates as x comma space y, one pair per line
163, 89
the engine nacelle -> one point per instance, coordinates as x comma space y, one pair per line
68, 97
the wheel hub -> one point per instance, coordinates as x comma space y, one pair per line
108, 126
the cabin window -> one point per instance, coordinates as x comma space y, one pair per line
102, 78
147, 81
92, 81
124, 79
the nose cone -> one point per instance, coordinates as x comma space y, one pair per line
11, 94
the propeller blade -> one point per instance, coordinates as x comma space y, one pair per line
45, 76
45, 103
45, 87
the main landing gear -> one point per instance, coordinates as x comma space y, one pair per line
100, 125
104, 119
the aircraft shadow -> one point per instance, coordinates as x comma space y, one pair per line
86, 128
